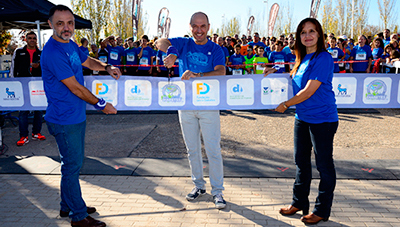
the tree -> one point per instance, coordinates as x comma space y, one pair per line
232, 27
329, 22
98, 12
284, 21
121, 20
5, 38
343, 9
360, 16
388, 13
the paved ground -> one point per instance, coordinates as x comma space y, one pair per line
367, 147
32, 200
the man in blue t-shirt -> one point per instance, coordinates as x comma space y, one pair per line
361, 52
256, 41
199, 57
115, 52
131, 58
67, 96
145, 55
386, 37
278, 57
84, 48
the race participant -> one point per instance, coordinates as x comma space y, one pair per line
115, 52
131, 58
259, 60
238, 60
249, 60
336, 53
361, 52
278, 57
257, 41
146, 54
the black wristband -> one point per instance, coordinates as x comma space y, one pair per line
105, 68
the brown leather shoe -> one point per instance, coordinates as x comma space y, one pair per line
89, 210
312, 219
88, 222
290, 210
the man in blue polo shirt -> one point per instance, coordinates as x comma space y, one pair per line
67, 96
199, 57
361, 52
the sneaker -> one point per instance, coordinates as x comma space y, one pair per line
219, 201
38, 137
22, 141
196, 192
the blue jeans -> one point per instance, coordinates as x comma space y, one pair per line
206, 122
23, 123
320, 137
71, 141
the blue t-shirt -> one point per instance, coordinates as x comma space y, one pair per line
198, 58
86, 51
61, 61
115, 54
291, 58
337, 54
267, 52
226, 51
386, 41
361, 53
160, 57
321, 106
252, 43
147, 55
237, 59
286, 50
278, 57
377, 53
131, 57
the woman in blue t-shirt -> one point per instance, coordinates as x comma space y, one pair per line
316, 121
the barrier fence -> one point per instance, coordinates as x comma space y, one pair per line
237, 92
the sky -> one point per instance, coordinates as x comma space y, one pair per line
217, 11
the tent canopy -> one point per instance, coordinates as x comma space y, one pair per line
22, 14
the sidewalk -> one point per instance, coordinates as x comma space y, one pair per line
32, 200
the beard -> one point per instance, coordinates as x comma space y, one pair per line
60, 35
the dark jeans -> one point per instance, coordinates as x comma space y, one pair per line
320, 137
71, 142
23, 123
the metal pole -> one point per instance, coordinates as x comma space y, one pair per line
38, 31
352, 19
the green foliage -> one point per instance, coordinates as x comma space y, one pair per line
5, 38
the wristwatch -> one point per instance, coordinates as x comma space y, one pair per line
105, 68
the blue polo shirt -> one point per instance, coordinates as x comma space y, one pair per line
115, 54
61, 61
198, 58
147, 54
321, 106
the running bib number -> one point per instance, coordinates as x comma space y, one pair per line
114, 56
103, 59
291, 66
130, 57
361, 56
341, 64
163, 57
144, 61
334, 53
259, 67
280, 61
236, 72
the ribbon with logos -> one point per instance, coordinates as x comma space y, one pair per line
238, 92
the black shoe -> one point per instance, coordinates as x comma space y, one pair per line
196, 192
89, 210
88, 222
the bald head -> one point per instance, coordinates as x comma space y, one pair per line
199, 14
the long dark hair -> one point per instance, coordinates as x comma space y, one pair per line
300, 49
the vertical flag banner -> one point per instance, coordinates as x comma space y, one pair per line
250, 26
167, 27
162, 21
273, 14
314, 8
135, 16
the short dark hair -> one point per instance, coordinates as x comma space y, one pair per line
279, 43
238, 45
83, 40
145, 37
130, 39
59, 8
333, 38
30, 33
